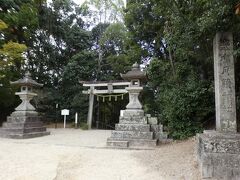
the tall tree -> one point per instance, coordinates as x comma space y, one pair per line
178, 37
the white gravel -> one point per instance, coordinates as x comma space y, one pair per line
72, 154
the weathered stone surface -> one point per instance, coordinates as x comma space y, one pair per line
24, 122
133, 120
161, 135
219, 155
134, 102
20, 127
143, 142
148, 115
117, 144
132, 127
134, 142
224, 83
156, 128
132, 113
219, 151
23, 135
153, 120
132, 134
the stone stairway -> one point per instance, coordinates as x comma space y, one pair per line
132, 130
21, 127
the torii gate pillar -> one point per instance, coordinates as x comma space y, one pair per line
90, 108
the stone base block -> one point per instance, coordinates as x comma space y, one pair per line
21, 127
133, 120
131, 113
156, 128
161, 135
153, 120
132, 127
23, 135
124, 143
132, 134
117, 144
143, 142
219, 155
24, 119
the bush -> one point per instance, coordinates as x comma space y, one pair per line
83, 126
184, 108
183, 102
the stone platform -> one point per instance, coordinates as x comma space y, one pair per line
219, 155
22, 127
132, 130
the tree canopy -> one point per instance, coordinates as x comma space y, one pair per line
62, 43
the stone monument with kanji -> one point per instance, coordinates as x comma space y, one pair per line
219, 150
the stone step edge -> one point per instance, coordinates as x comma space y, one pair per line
25, 128
133, 127
24, 135
140, 133
130, 139
141, 143
15, 126
118, 144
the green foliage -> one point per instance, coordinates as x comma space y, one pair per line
83, 125
79, 68
113, 42
3, 25
104, 11
11, 53
183, 104
177, 36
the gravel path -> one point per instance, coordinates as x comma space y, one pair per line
81, 155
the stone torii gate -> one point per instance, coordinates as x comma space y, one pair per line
109, 88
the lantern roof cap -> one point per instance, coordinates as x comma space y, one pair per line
135, 73
27, 81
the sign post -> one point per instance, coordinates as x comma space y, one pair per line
65, 113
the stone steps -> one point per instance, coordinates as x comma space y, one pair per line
23, 135
161, 135
132, 127
24, 130
141, 120
23, 119
120, 143
132, 134
22, 125
117, 144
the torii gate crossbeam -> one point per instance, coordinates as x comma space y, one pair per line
109, 90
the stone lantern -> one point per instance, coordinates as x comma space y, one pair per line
26, 94
24, 122
136, 77
133, 128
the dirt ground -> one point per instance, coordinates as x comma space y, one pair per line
72, 154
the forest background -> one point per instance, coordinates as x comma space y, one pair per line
62, 43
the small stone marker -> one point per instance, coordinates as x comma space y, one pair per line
65, 113
224, 83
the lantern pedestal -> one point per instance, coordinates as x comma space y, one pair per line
134, 102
